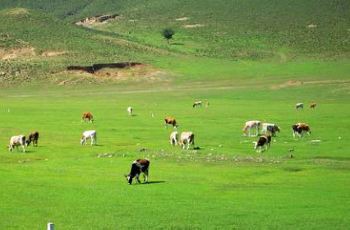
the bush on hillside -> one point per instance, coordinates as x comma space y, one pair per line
168, 34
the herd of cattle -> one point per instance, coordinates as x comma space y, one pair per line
264, 132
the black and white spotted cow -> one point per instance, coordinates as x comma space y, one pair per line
137, 167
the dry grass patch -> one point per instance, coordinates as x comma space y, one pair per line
24, 52
52, 53
17, 11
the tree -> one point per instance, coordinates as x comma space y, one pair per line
168, 34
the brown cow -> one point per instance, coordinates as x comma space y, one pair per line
301, 128
170, 121
313, 105
87, 117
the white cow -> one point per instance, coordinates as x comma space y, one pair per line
251, 125
299, 105
197, 104
186, 138
89, 134
16, 141
129, 109
174, 138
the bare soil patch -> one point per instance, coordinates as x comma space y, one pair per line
293, 83
96, 67
123, 71
26, 52
52, 53
182, 19
193, 26
97, 20
287, 84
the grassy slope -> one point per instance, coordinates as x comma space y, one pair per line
254, 27
278, 38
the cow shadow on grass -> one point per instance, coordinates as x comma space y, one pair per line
156, 182
177, 44
150, 182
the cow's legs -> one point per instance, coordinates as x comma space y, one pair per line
137, 178
24, 150
145, 176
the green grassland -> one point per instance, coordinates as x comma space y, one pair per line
249, 59
224, 184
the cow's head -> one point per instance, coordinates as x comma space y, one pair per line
82, 140
27, 142
128, 178
277, 129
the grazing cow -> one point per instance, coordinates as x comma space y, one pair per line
300, 128
299, 105
129, 109
174, 137
197, 104
33, 137
137, 167
251, 125
89, 134
87, 117
16, 141
270, 128
313, 105
186, 138
170, 121
264, 140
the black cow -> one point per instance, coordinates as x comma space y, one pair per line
33, 137
137, 167
264, 140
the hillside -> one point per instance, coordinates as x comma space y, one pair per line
252, 29
255, 31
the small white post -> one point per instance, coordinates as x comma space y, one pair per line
50, 226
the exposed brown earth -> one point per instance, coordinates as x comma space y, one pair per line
96, 20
